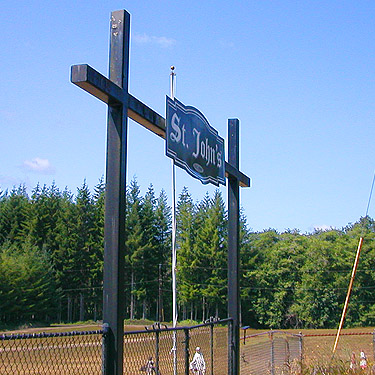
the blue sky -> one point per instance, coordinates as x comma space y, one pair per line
298, 75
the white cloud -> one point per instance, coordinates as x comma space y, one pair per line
39, 165
161, 41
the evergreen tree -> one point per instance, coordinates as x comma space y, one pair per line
44, 212
213, 237
27, 288
163, 242
13, 214
247, 262
77, 243
187, 278
134, 247
97, 252
149, 267
51, 261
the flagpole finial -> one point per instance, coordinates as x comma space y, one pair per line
172, 81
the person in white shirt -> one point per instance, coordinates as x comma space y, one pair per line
198, 364
363, 360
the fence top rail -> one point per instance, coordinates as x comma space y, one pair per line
16, 336
307, 334
158, 327
271, 333
335, 334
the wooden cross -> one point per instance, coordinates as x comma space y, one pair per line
121, 105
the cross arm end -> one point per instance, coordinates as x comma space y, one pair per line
242, 179
90, 80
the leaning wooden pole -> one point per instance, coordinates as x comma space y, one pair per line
348, 293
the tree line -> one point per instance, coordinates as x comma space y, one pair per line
51, 262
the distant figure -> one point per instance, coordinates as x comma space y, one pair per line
149, 367
363, 360
198, 365
353, 362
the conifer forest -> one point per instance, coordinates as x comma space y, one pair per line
51, 262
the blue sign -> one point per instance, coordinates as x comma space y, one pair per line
193, 144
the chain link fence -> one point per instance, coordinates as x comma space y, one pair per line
157, 345
280, 352
272, 352
150, 351
51, 353
145, 352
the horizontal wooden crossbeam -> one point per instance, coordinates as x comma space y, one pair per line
231, 171
104, 89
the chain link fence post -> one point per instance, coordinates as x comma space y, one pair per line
230, 348
301, 350
187, 337
272, 355
373, 344
212, 347
157, 350
105, 348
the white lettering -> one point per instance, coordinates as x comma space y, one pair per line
219, 159
213, 156
197, 134
203, 150
175, 122
183, 135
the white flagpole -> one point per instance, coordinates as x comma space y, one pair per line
174, 255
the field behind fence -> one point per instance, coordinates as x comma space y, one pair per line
318, 348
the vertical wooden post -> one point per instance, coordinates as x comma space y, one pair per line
114, 225
233, 245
